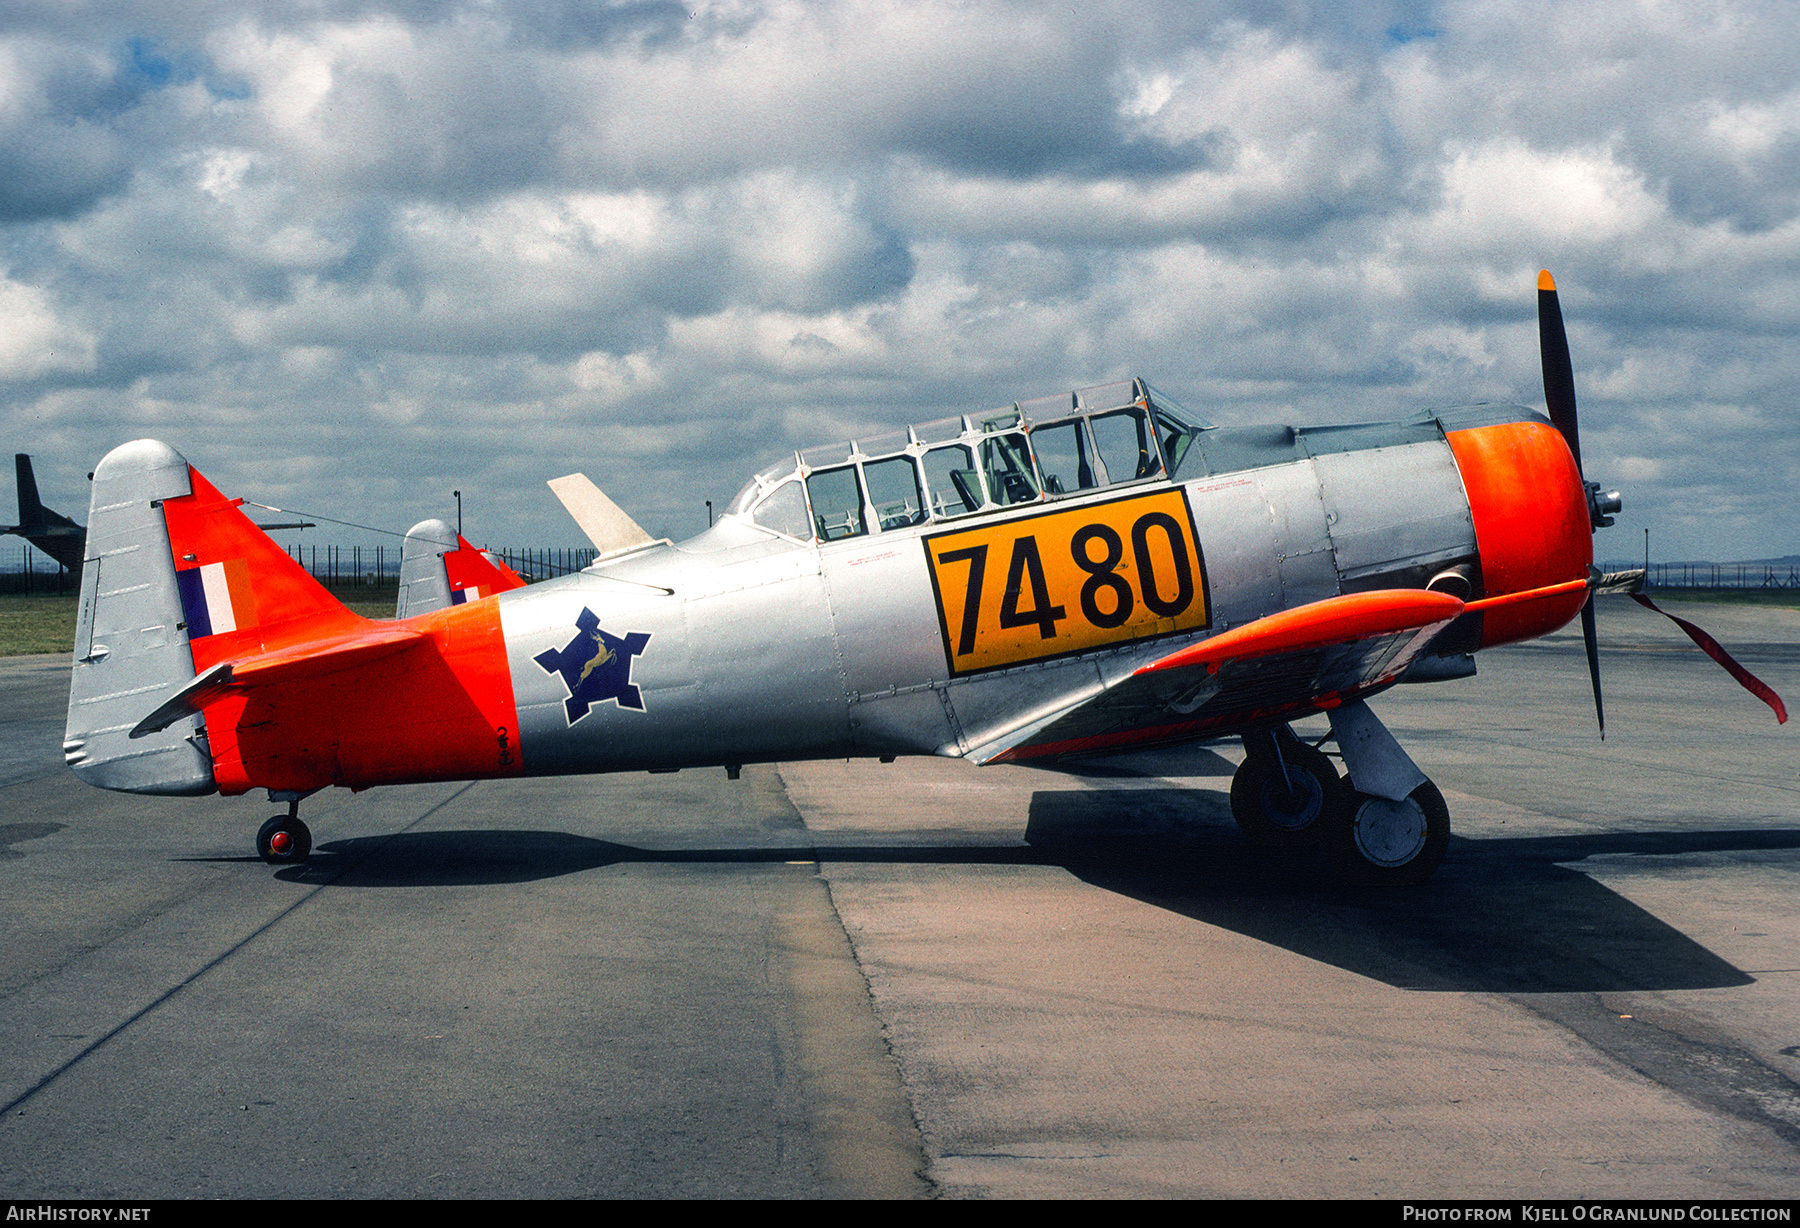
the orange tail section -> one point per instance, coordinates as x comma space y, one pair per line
241, 594
299, 693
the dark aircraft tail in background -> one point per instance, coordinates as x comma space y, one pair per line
53, 533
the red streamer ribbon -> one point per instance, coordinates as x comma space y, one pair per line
1708, 645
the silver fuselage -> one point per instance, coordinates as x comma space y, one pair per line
763, 647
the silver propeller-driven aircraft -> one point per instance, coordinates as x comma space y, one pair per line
1085, 573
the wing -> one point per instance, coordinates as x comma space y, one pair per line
1308, 659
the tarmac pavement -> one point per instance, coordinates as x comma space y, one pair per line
926, 979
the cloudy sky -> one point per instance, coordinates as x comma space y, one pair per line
349, 255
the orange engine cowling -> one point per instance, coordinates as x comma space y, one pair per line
1532, 524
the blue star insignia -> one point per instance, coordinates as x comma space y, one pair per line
595, 666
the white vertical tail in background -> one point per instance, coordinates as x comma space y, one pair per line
604, 522
423, 585
439, 568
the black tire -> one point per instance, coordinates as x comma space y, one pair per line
1275, 817
1378, 843
298, 844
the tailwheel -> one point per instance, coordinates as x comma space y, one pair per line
1283, 809
284, 840
1380, 843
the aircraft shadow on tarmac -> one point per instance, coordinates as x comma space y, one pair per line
475, 858
18, 833
1501, 916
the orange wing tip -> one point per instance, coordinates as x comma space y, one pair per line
1545, 281
1355, 616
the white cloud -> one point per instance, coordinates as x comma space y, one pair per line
397, 247
1508, 194
34, 341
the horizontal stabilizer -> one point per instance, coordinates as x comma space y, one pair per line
605, 524
190, 700
296, 663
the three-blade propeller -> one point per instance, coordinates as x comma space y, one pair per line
1559, 400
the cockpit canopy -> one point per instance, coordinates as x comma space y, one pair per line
1046, 449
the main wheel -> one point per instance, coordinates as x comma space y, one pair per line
1381, 843
284, 841
1285, 812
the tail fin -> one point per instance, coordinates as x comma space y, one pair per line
240, 592
423, 585
130, 646
175, 580
31, 509
474, 574
53, 533
439, 568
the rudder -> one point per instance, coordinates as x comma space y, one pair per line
175, 580
130, 645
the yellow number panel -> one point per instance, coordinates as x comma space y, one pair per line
1067, 581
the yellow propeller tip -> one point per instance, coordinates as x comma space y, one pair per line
1545, 282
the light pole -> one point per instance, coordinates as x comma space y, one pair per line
458, 495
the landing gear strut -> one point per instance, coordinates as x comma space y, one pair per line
284, 840
1285, 792
1393, 830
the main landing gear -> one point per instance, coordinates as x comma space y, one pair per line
284, 840
1378, 842
1385, 825
1283, 795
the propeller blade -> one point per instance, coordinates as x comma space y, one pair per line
1559, 372
1591, 639
1559, 400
